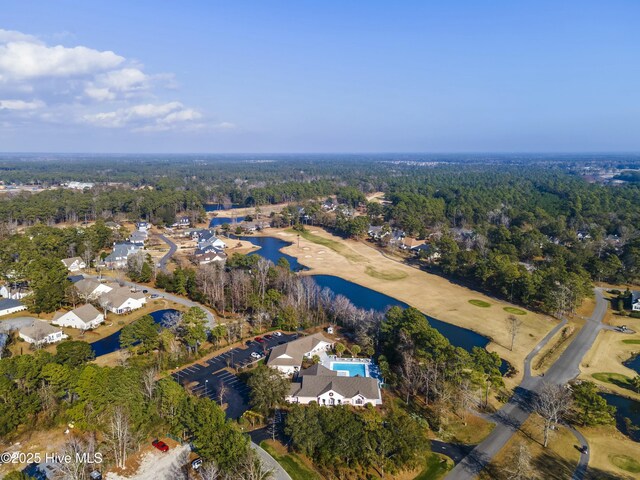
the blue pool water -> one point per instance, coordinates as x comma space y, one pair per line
354, 369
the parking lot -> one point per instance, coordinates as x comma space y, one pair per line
208, 379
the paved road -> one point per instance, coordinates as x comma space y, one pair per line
271, 463
513, 414
162, 263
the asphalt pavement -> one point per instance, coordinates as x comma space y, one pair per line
515, 412
162, 263
209, 378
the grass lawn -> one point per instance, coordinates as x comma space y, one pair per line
616, 379
388, 275
631, 342
626, 463
480, 303
515, 311
435, 468
292, 464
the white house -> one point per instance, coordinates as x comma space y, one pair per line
122, 300
74, 264
143, 226
10, 305
91, 289
635, 302
288, 358
85, 317
15, 291
39, 332
326, 387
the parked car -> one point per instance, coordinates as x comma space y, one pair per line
196, 464
277, 334
145, 291
160, 445
155, 295
259, 339
255, 355
268, 337
584, 450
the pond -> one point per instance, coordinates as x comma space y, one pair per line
217, 221
214, 207
112, 342
625, 409
270, 249
363, 297
633, 363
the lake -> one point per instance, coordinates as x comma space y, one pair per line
217, 221
363, 297
214, 207
112, 342
633, 363
626, 408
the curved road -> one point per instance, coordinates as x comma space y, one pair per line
514, 413
162, 263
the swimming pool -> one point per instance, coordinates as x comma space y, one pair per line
350, 369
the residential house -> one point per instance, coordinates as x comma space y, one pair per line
207, 238
79, 185
15, 290
326, 387
635, 301
208, 255
138, 237
411, 243
121, 300
183, 222
112, 225
377, 232
74, 264
287, 358
143, 226
38, 332
10, 305
121, 251
91, 289
85, 317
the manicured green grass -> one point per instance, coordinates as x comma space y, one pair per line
292, 464
435, 468
625, 463
480, 303
615, 378
372, 272
515, 311
631, 342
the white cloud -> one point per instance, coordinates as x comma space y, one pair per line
21, 105
59, 84
29, 59
145, 117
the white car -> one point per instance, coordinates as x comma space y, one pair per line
277, 334
255, 355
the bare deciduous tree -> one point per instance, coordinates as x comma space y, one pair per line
519, 465
551, 404
209, 471
149, 382
513, 327
118, 435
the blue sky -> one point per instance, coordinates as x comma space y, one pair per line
319, 76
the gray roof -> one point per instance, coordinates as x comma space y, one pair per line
318, 369
349, 387
292, 353
69, 261
86, 313
86, 286
38, 329
6, 303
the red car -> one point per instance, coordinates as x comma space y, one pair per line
268, 337
259, 339
160, 445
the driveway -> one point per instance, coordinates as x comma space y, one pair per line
162, 263
156, 465
514, 413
